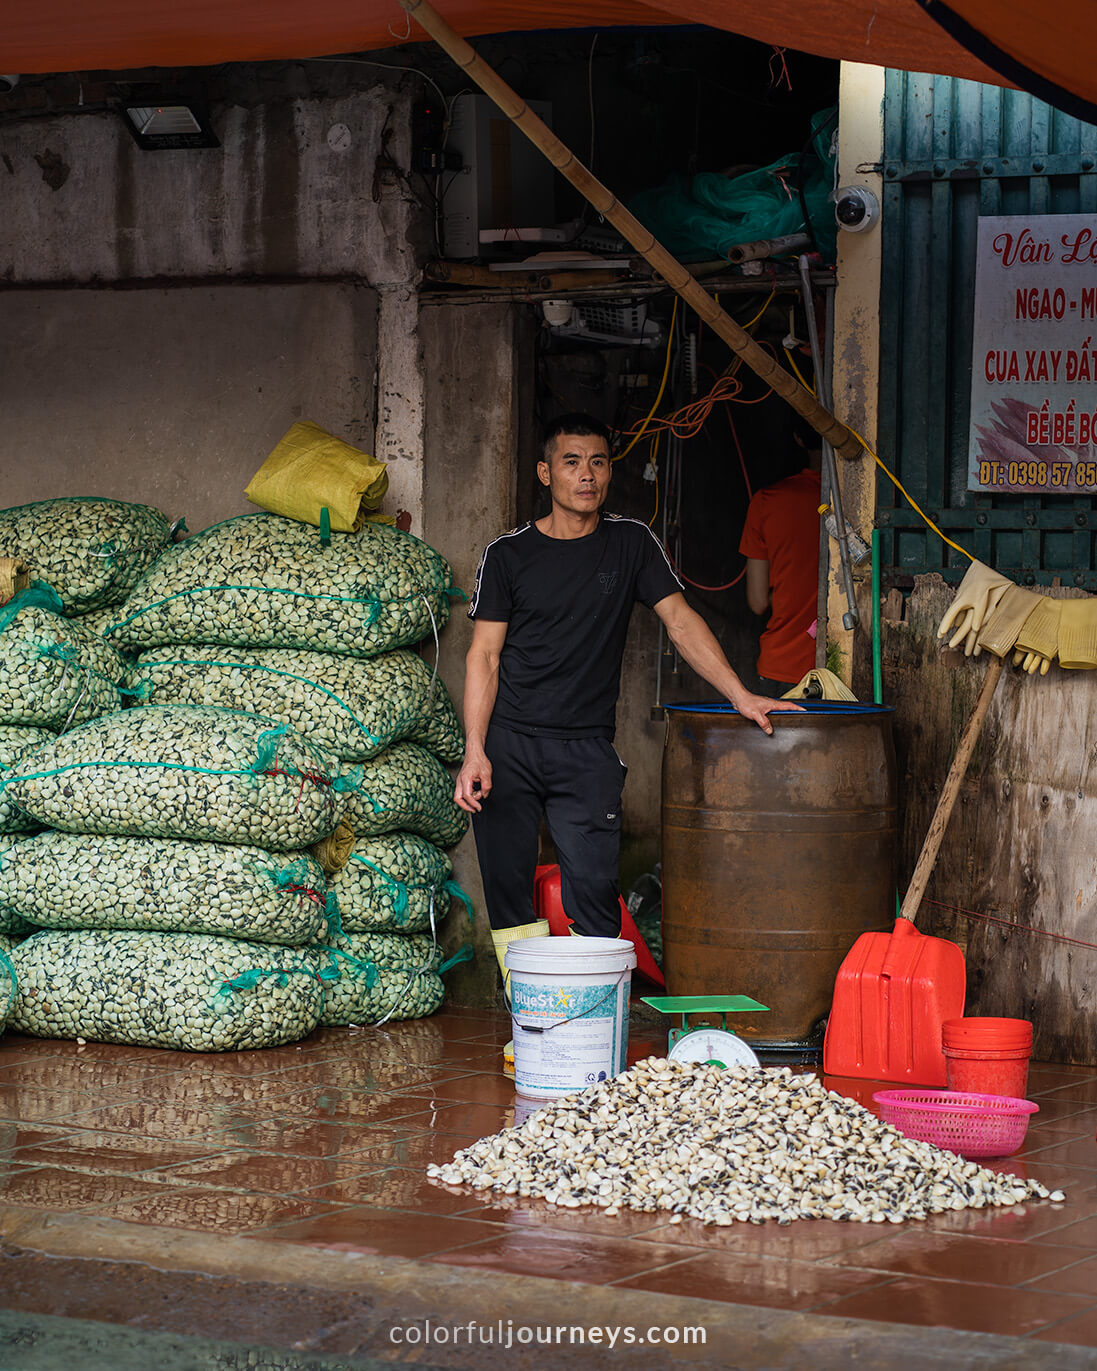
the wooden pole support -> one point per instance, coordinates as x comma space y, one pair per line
630, 228
951, 788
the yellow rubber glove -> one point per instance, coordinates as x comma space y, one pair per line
1038, 640
1078, 634
977, 596
830, 687
999, 632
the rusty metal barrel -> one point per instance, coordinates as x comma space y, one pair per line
778, 853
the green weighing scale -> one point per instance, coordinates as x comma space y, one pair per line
704, 1043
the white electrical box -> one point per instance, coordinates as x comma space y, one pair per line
505, 184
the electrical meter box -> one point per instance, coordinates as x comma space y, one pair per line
505, 182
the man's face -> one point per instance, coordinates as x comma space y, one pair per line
577, 472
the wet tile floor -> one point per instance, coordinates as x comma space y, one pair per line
325, 1143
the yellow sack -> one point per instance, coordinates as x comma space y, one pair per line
309, 470
14, 577
820, 684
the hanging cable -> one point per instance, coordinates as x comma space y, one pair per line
890, 475
655, 476
662, 386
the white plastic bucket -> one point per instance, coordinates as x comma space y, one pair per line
569, 1009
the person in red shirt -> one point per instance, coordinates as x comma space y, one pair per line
781, 544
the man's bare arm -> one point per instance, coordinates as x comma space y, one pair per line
481, 686
759, 596
698, 645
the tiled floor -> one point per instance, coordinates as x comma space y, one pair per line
325, 1144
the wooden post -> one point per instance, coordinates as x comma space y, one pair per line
630, 228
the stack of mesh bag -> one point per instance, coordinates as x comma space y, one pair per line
270, 615
177, 901
74, 559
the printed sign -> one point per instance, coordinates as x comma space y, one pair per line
1034, 357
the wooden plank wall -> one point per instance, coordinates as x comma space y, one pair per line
1019, 861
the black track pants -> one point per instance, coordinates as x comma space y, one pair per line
576, 783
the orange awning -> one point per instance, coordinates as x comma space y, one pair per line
1053, 42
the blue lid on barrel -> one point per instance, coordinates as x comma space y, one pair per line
807, 706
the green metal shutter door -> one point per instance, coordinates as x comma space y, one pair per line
955, 150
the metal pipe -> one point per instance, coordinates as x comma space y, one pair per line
851, 618
630, 228
877, 660
768, 247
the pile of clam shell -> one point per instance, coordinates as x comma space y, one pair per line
724, 1146
383, 976
166, 885
351, 707
54, 673
391, 883
406, 787
181, 990
263, 581
91, 551
16, 743
212, 775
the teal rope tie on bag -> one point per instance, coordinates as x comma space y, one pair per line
332, 915
13, 983
266, 748
464, 953
454, 891
366, 969
38, 595
248, 980
400, 903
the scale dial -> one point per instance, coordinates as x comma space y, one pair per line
712, 1045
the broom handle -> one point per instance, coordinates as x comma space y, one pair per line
932, 845
630, 228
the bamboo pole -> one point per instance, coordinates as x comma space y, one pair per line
630, 228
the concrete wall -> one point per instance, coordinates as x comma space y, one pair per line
472, 357
82, 203
175, 397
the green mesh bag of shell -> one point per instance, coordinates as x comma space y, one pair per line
91, 551
394, 883
8, 979
406, 787
203, 774
385, 976
53, 672
263, 581
165, 885
177, 990
353, 708
16, 743
12, 923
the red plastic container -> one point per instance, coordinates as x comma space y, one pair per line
987, 1056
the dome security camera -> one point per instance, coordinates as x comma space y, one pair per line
856, 208
8, 83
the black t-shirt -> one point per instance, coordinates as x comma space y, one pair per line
566, 603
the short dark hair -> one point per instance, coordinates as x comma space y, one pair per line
583, 425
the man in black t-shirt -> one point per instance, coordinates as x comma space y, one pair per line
551, 610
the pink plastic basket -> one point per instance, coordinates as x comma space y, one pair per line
972, 1125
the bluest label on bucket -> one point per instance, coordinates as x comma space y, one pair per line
582, 1037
